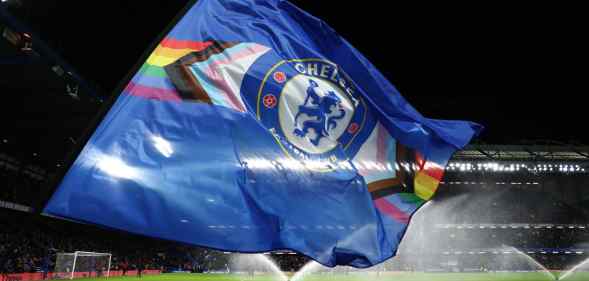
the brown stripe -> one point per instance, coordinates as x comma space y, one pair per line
200, 56
381, 184
402, 182
179, 72
198, 93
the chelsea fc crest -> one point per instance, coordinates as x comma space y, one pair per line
311, 108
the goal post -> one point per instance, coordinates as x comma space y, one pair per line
82, 264
64, 262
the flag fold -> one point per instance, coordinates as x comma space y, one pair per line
253, 126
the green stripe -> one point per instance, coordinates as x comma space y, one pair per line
151, 70
411, 198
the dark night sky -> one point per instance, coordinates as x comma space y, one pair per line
518, 70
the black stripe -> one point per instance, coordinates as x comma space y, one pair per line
179, 72
386, 192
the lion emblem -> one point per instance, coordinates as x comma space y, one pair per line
324, 111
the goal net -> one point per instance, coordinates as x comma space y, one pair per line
82, 264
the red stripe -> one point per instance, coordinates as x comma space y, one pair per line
433, 170
430, 168
381, 144
184, 44
419, 160
391, 210
151, 93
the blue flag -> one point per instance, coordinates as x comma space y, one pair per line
253, 126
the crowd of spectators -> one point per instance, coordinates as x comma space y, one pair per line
30, 243
16, 189
464, 239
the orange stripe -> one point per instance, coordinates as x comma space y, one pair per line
419, 160
433, 170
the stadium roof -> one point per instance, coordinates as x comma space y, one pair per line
523, 152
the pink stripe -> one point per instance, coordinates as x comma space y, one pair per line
225, 90
248, 51
391, 210
151, 93
381, 145
362, 171
230, 96
380, 156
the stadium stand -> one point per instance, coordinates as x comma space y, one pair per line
487, 213
493, 202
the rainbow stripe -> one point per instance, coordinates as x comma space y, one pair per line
376, 162
217, 75
401, 206
151, 81
428, 178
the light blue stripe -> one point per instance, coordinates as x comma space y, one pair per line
206, 82
154, 82
208, 85
391, 154
406, 207
227, 54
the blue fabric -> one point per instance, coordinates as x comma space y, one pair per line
211, 176
296, 34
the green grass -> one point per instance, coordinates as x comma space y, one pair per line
513, 276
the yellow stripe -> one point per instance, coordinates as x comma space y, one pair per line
425, 186
171, 53
160, 61
163, 56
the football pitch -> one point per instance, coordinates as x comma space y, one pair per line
502, 276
